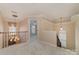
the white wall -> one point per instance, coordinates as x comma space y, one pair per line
46, 31
1, 30
1, 24
76, 20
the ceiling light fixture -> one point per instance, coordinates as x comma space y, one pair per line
61, 25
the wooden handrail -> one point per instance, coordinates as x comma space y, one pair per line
14, 32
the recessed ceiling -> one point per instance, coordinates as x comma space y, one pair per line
51, 10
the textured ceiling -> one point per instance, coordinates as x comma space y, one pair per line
50, 10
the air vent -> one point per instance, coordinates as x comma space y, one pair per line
14, 15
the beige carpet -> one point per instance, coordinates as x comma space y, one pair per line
34, 48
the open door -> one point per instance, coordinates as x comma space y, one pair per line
32, 29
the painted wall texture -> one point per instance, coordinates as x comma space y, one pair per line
46, 31
76, 20
1, 30
45, 25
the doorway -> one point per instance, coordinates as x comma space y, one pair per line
33, 30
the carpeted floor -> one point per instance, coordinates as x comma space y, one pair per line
35, 48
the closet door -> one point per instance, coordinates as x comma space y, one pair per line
62, 38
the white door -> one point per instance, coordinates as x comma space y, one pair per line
62, 38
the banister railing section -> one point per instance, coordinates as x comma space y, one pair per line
11, 38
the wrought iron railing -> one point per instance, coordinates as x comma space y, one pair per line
11, 38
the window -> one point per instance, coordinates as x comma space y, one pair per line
12, 28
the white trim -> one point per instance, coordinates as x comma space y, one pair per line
28, 29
